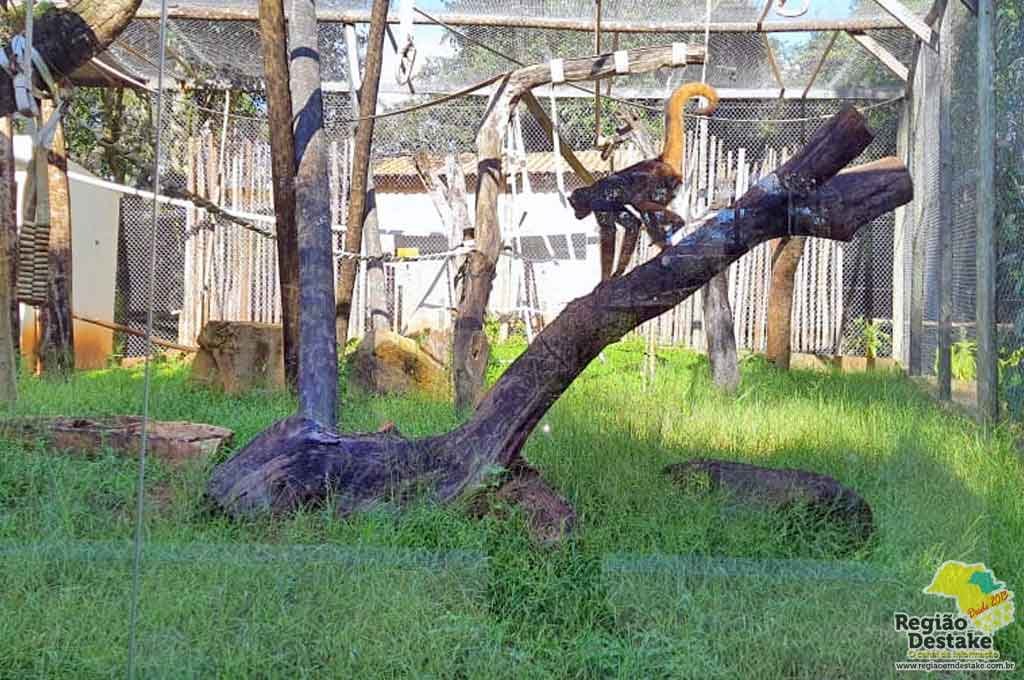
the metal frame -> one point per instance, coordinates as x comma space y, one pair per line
584, 25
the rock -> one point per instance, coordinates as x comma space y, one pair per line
436, 343
549, 516
777, 489
239, 356
388, 363
173, 442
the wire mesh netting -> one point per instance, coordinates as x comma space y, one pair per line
655, 581
212, 268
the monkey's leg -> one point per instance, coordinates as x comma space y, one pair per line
660, 222
606, 235
630, 237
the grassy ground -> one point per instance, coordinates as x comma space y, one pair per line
656, 583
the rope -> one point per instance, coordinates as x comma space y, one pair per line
148, 344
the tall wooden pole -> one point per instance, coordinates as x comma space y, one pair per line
9, 222
361, 165
785, 259
988, 398
376, 296
945, 368
274, 43
57, 341
8, 233
318, 351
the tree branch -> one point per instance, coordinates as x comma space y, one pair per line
296, 461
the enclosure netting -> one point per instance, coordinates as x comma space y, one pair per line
918, 243
211, 268
264, 598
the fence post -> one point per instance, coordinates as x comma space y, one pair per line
946, 211
988, 383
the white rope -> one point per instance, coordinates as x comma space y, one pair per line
26, 57
147, 379
557, 151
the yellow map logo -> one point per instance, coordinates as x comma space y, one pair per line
979, 596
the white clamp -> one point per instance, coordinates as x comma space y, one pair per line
557, 71
679, 53
23, 96
622, 62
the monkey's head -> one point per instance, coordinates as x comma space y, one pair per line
581, 200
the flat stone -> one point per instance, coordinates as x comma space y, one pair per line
174, 442
388, 363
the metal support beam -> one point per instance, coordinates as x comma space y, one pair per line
901, 13
244, 13
883, 55
820, 64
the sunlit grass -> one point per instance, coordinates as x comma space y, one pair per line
655, 583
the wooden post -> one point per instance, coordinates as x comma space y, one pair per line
318, 350
57, 342
376, 297
471, 351
361, 166
9, 222
988, 398
274, 43
785, 260
945, 235
8, 286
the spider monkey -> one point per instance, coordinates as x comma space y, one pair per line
640, 194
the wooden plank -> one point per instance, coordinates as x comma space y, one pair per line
903, 14
875, 48
776, 72
160, 342
988, 383
568, 154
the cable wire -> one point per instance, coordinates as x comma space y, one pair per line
147, 366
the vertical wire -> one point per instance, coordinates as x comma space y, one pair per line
147, 370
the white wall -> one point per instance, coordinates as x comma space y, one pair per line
94, 223
558, 281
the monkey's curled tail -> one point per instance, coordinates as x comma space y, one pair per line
675, 130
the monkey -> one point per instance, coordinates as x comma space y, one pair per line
640, 194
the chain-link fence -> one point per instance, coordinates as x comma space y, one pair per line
213, 267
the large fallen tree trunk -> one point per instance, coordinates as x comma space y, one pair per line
297, 461
68, 37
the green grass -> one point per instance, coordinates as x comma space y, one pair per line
656, 583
